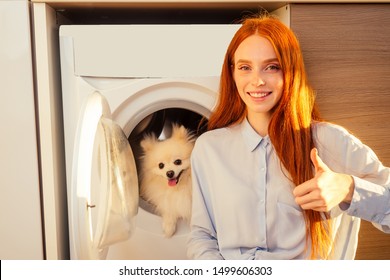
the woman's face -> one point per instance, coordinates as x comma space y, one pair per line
258, 76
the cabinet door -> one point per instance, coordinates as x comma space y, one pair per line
346, 49
21, 235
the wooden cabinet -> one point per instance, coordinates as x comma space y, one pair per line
346, 50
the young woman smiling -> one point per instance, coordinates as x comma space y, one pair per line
270, 179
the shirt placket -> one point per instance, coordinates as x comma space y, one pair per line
262, 194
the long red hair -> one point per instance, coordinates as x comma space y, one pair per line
290, 125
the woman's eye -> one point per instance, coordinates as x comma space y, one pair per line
177, 162
244, 68
273, 67
161, 165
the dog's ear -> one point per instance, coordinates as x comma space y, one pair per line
148, 142
179, 132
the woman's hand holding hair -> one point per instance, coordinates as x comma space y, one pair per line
326, 190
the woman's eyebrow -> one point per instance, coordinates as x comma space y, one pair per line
246, 61
269, 60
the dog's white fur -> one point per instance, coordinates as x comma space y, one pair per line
161, 185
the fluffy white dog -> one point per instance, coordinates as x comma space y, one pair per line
166, 176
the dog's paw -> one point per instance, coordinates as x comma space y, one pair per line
169, 227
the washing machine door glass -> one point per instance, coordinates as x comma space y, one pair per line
105, 181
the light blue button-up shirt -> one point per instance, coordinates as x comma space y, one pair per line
243, 206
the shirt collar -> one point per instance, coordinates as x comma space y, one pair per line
251, 137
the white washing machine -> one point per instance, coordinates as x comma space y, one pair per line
120, 82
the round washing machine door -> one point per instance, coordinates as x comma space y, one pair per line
104, 187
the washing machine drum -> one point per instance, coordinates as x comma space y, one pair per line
152, 124
160, 124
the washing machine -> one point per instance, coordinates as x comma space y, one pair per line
119, 83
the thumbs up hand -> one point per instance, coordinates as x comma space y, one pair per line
326, 190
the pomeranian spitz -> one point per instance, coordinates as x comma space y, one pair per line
166, 176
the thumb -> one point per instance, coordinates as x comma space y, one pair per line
319, 165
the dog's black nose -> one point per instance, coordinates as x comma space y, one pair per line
170, 174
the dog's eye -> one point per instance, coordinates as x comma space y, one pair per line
177, 162
161, 165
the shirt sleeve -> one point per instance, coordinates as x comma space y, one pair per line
202, 242
371, 202
347, 154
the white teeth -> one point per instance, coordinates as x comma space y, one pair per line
258, 94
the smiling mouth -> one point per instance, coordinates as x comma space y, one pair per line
259, 94
174, 181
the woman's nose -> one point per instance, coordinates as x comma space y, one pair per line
257, 79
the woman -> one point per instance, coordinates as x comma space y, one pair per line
270, 180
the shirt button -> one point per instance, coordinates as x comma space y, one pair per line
262, 169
